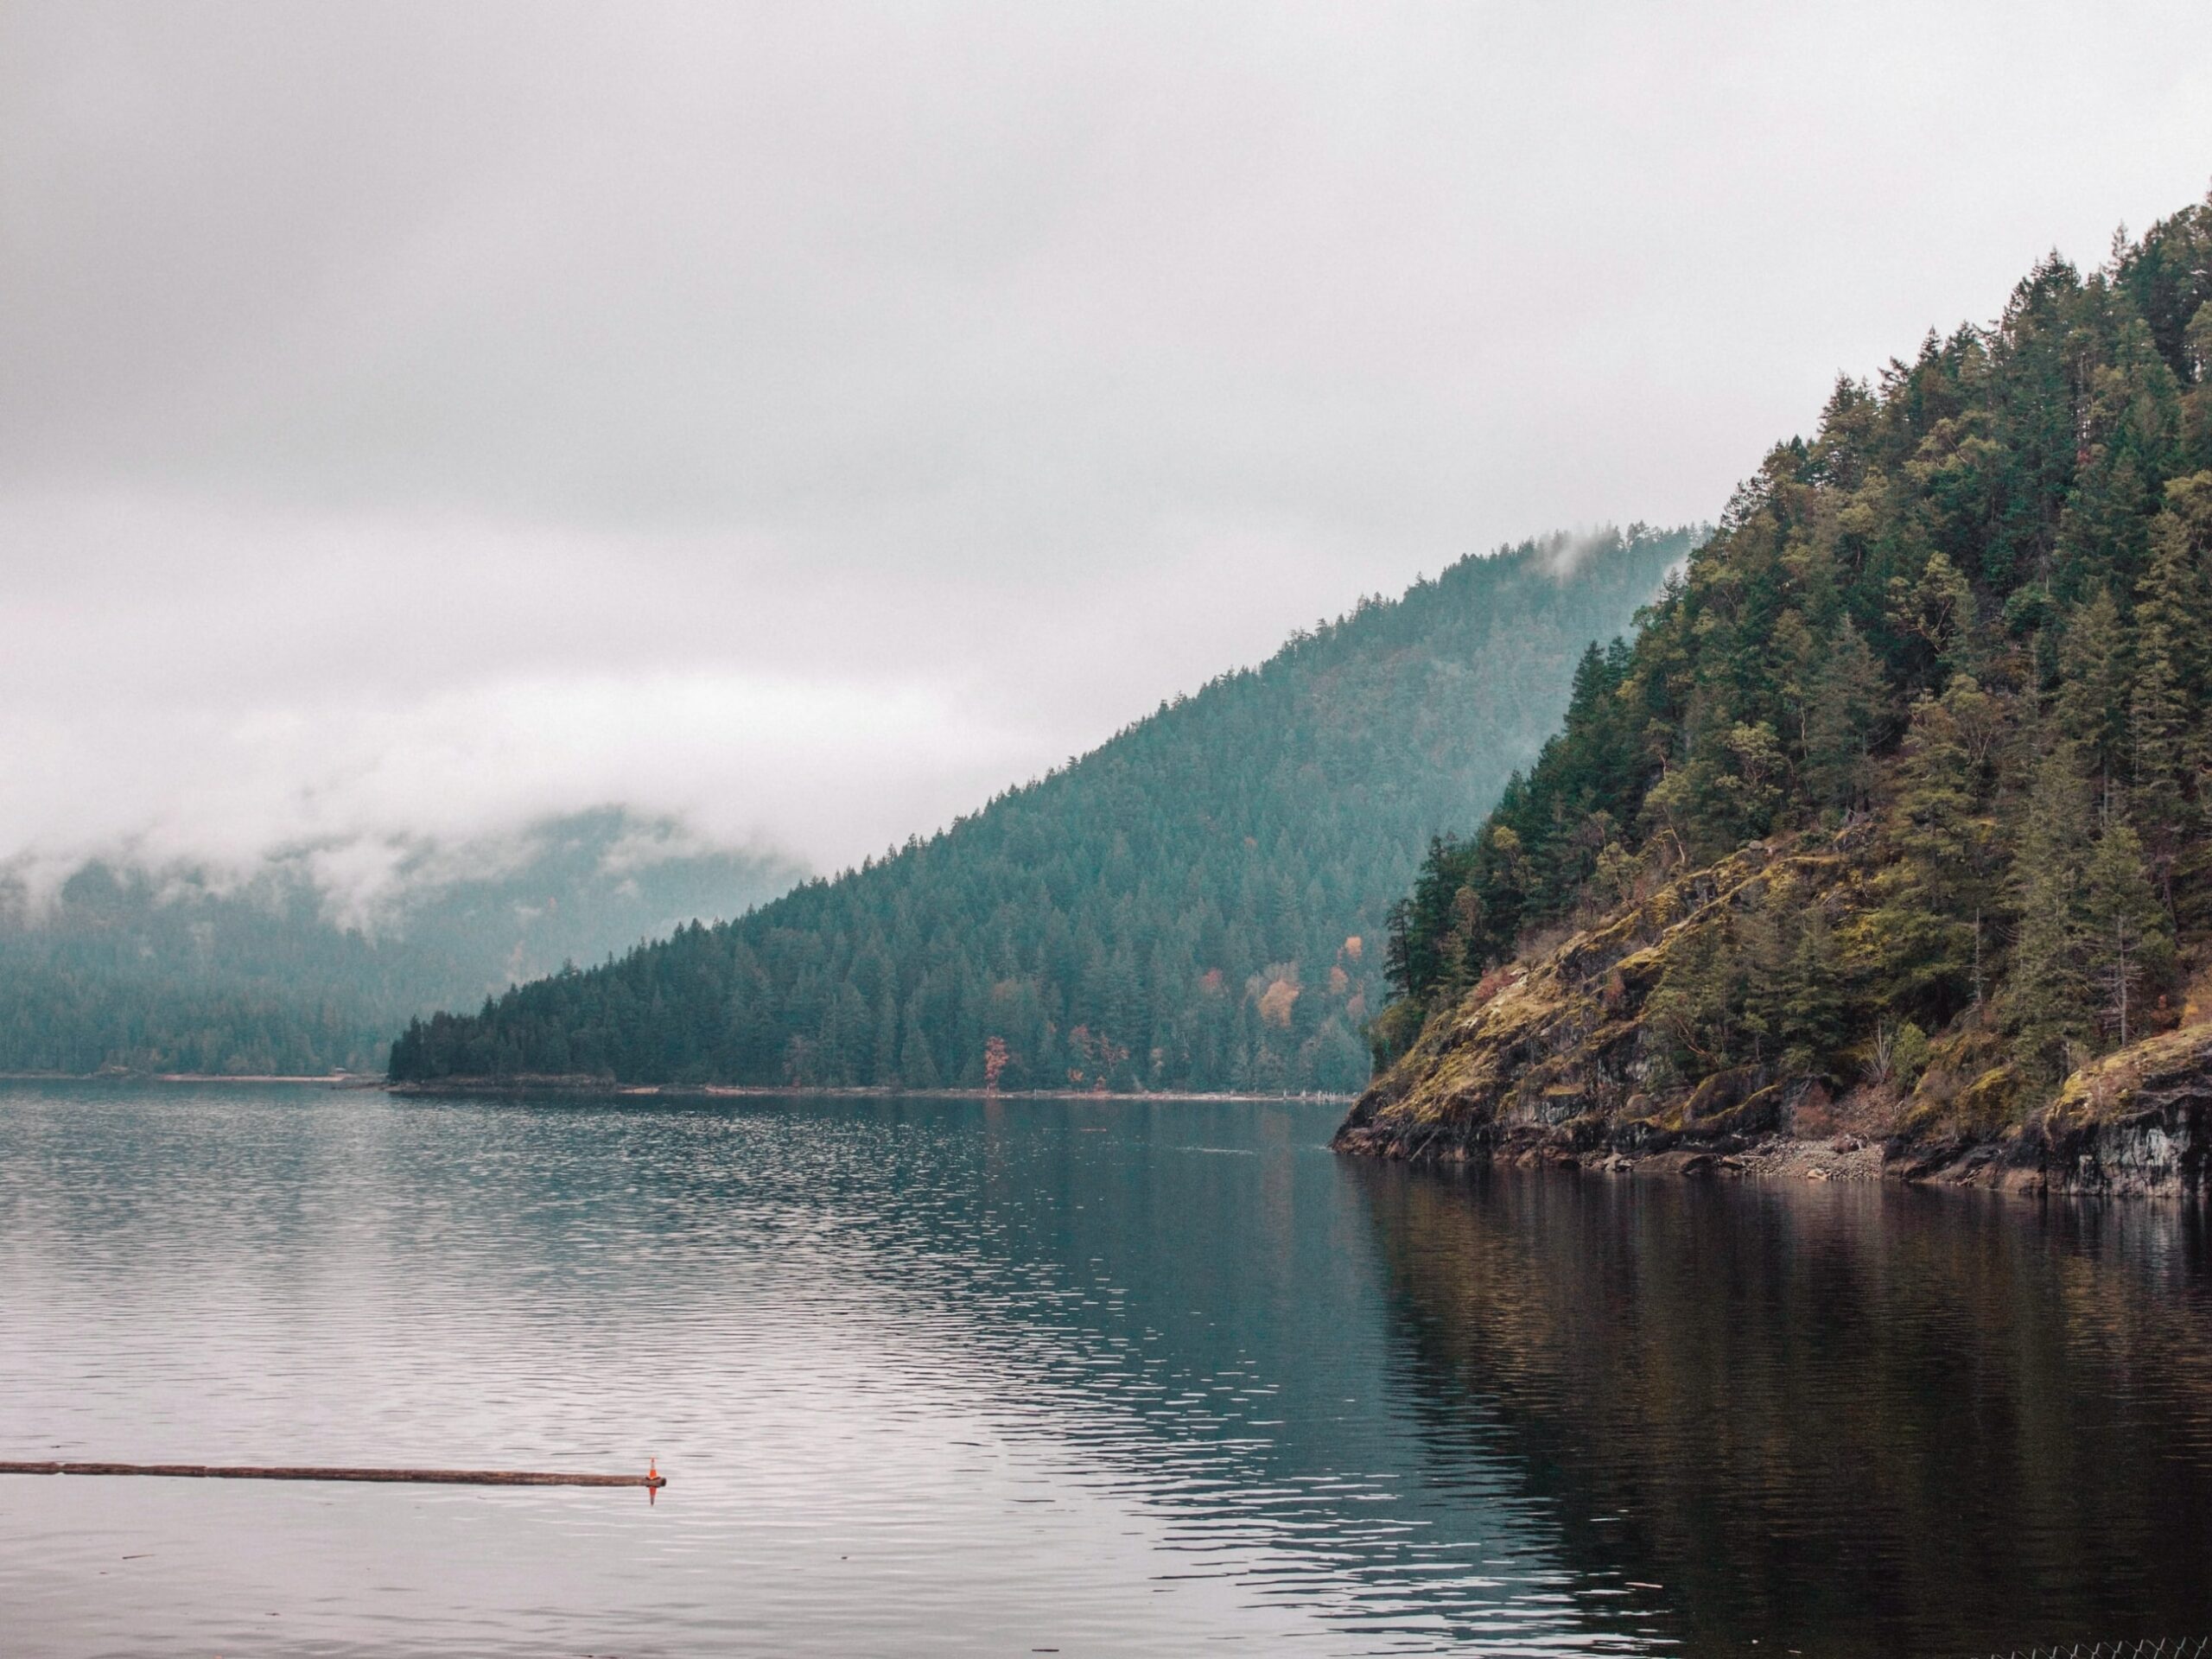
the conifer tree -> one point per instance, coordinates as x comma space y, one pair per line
1844, 701
1924, 937
2128, 936
1811, 997
2093, 697
917, 1066
1937, 613
883, 1060
2169, 748
2049, 990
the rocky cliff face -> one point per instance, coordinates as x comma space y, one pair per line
2134, 1123
1559, 1056
1569, 1057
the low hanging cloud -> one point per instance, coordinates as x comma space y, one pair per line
802, 422
280, 679
277, 678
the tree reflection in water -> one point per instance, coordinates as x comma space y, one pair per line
1843, 1420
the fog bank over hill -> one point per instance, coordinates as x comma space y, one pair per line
419, 420
309, 959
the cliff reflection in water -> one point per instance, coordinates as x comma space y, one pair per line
1846, 1420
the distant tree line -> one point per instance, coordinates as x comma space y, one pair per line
184, 970
1196, 904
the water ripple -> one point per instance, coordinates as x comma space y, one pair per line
937, 1377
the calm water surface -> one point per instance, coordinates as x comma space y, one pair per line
936, 1377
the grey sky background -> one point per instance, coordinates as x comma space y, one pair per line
810, 419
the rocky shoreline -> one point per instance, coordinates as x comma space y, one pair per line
1846, 1158
1560, 1059
2138, 1124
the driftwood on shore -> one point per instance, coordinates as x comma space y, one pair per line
653, 1480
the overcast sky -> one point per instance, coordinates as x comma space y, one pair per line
809, 419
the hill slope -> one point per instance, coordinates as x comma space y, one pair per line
180, 970
1193, 905
1892, 821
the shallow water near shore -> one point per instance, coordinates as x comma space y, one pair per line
936, 1377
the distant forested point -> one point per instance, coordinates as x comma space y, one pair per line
1196, 905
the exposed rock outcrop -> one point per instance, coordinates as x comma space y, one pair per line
1564, 1058
1556, 1058
2137, 1123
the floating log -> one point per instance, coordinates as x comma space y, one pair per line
653, 1480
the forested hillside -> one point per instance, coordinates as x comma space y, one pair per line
1896, 806
184, 970
1193, 905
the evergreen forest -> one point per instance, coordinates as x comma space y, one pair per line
1196, 904
1952, 654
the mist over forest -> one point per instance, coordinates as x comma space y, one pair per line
308, 961
1196, 904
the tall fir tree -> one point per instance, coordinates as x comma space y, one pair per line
2128, 939
1843, 705
2170, 749
2093, 687
1923, 939
2050, 993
